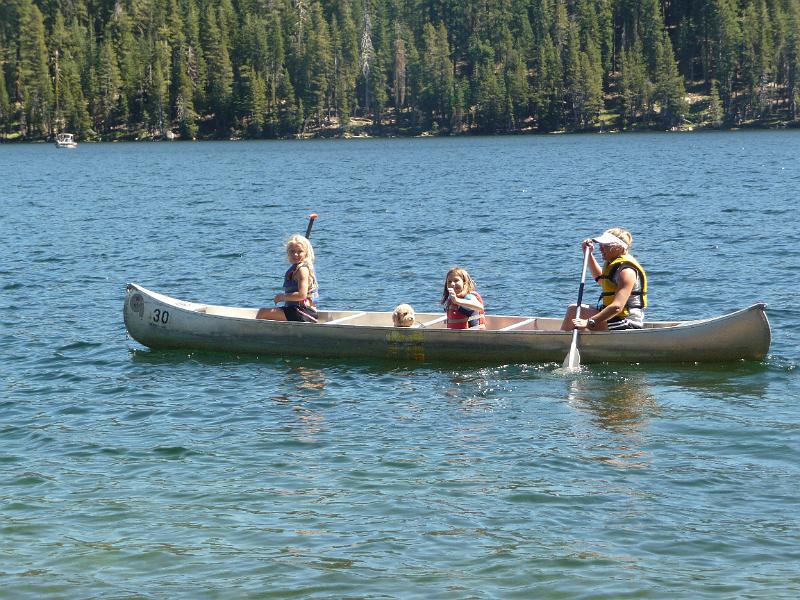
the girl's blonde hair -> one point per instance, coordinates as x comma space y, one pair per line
622, 234
469, 283
304, 243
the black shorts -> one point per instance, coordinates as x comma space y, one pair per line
621, 324
300, 314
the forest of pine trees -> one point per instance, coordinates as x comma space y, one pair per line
134, 69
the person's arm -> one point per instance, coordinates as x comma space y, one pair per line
302, 277
594, 266
470, 302
626, 279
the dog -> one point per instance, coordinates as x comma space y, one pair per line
403, 316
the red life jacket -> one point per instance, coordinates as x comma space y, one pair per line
459, 317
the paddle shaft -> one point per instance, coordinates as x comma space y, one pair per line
311, 218
583, 282
573, 358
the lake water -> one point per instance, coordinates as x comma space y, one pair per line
128, 473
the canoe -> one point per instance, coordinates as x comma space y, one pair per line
158, 321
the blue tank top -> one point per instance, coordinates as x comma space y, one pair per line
290, 286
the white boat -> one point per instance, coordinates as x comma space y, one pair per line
158, 321
66, 140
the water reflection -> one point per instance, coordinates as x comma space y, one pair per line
302, 384
619, 404
472, 389
304, 381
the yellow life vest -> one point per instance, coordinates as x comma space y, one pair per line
636, 299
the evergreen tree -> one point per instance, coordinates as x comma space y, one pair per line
636, 87
5, 103
715, 111
792, 55
668, 91
399, 70
195, 58
489, 98
437, 77
276, 76
34, 86
157, 89
319, 66
517, 88
220, 71
723, 62
106, 108
211, 67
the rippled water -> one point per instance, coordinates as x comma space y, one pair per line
129, 473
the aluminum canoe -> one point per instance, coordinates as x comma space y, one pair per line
158, 321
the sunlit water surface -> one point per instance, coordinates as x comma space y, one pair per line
129, 473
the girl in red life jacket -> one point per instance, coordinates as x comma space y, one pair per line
463, 305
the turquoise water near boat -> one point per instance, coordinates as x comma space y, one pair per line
129, 473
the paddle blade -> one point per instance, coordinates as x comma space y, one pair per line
573, 360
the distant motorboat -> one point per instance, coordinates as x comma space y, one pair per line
66, 140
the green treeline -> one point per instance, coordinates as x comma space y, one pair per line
122, 69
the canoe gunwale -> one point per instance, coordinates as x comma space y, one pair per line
742, 334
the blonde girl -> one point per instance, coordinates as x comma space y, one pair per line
300, 288
463, 305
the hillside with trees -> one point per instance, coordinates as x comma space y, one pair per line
144, 69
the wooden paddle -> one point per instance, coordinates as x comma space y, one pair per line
573, 360
311, 218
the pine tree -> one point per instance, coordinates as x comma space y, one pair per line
518, 90
275, 72
592, 77
106, 109
399, 70
157, 89
252, 100
183, 94
5, 103
75, 108
668, 91
575, 86
724, 50
793, 56
220, 71
437, 76
195, 58
35, 89
636, 87
346, 63
716, 114
319, 65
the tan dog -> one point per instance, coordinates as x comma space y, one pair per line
403, 316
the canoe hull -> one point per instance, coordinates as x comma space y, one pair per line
158, 321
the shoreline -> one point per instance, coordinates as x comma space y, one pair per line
371, 131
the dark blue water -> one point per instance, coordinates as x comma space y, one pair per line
129, 473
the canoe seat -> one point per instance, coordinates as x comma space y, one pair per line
230, 311
344, 319
434, 321
520, 325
